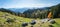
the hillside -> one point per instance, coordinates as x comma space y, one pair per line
37, 13
43, 12
17, 21
56, 11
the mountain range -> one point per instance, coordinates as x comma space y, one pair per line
21, 10
18, 9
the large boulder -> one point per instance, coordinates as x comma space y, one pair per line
33, 22
44, 20
24, 24
52, 21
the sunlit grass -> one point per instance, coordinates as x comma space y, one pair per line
20, 20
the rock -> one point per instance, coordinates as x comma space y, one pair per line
33, 22
24, 24
44, 20
52, 21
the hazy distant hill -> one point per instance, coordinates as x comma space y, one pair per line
25, 9
18, 9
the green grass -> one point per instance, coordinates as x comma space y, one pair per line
57, 24
20, 20
17, 23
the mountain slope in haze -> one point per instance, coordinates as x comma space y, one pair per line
36, 13
18, 9
25, 9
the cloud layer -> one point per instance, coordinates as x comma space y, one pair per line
27, 3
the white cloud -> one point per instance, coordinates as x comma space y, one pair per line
26, 3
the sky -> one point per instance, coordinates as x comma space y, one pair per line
27, 3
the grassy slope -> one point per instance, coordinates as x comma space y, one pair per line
20, 20
17, 23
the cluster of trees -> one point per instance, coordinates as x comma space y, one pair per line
55, 11
43, 12
37, 13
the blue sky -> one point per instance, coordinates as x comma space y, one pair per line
27, 3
